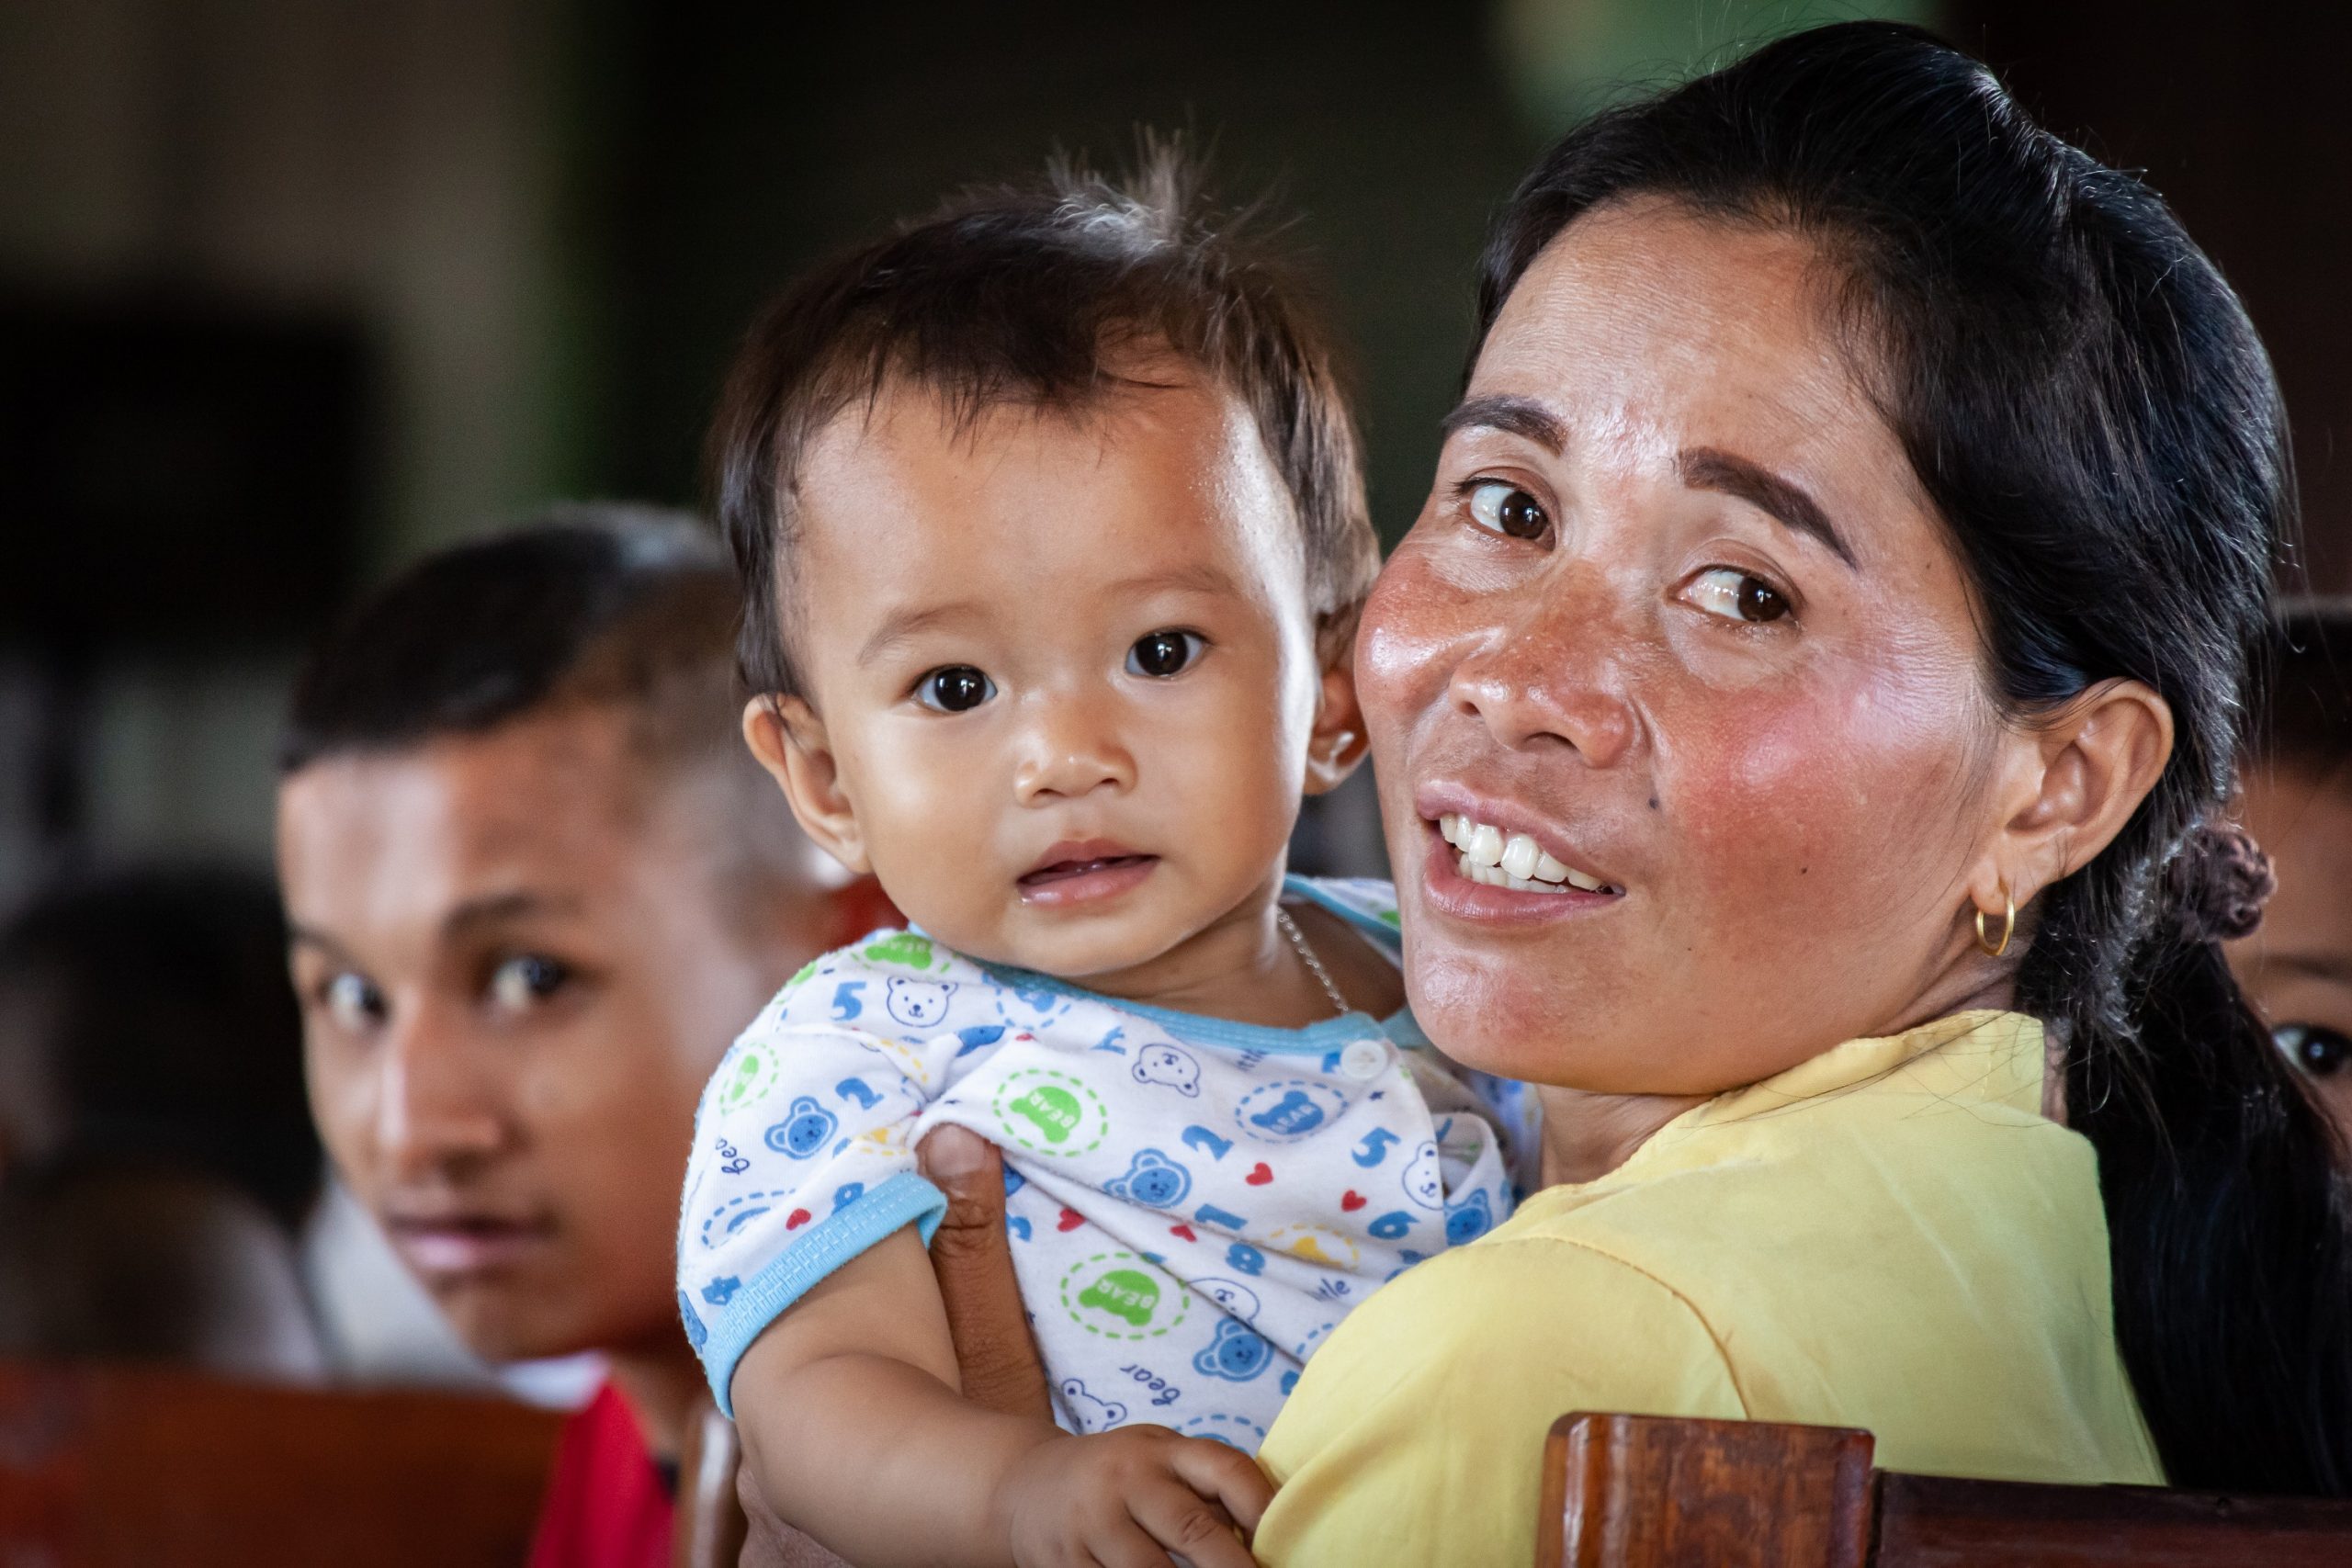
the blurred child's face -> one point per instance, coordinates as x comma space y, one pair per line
2296, 966
1062, 674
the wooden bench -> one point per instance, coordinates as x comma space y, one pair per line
1650, 1492
106, 1465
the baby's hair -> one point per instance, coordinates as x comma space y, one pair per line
1034, 296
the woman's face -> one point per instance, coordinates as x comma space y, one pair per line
1677, 612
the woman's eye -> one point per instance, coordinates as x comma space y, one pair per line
353, 1002
957, 688
526, 979
2318, 1051
1163, 654
1507, 509
1739, 596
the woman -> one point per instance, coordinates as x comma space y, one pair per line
1843, 567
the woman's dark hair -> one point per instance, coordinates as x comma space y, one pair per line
2085, 402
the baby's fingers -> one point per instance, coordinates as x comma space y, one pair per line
1226, 1474
1192, 1527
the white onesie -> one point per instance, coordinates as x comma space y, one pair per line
1193, 1203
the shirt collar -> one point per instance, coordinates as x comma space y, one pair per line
1986, 1056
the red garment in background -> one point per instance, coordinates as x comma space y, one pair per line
606, 1504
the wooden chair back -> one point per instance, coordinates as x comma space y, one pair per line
1655, 1492
107, 1465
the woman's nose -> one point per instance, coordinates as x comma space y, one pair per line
1072, 749
1554, 678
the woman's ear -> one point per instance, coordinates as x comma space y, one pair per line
788, 739
1338, 741
2079, 775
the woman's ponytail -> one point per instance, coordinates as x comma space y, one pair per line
2226, 1216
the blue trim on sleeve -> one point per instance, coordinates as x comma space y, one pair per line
905, 1198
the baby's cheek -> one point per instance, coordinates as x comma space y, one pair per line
929, 829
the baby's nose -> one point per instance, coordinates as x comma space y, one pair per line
1072, 753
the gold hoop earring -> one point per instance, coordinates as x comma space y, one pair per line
1985, 944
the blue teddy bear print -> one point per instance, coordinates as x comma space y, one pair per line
1236, 1353
1152, 1179
804, 1131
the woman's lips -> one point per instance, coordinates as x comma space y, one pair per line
1084, 872
449, 1248
1448, 892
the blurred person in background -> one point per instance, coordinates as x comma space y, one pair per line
534, 885
2296, 966
156, 1157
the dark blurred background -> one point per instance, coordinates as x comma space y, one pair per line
292, 290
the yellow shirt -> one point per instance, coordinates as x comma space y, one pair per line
1888, 1236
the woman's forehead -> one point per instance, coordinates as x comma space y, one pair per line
1648, 330
1731, 316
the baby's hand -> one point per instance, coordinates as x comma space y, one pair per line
1129, 1498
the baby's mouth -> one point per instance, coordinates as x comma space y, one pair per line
1069, 870
1080, 874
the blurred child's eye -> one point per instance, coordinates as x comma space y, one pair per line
2313, 1047
1507, 509
1163, 654
352, 1001
525, 978
955, 689
1738, 595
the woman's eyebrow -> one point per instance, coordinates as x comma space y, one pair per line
1706, 468
1513, 416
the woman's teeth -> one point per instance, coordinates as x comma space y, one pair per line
1515, 861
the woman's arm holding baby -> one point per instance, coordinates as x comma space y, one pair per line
856, 1427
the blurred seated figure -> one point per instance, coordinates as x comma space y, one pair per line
2296, 966
534, 886
156, 1157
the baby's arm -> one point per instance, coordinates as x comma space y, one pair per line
854, 1427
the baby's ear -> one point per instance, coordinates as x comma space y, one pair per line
789, 738
1338, 741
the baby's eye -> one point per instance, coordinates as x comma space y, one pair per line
1507, 509
957, 688
525, 978
1738, 595
352, 1001
1163, 654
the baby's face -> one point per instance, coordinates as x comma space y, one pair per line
1062, 666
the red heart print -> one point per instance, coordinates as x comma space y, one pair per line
1071, 1219
1352, 1200
797, 1218
1260, 1176
1183, 1232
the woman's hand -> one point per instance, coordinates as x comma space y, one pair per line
995, 1354
1138, 1497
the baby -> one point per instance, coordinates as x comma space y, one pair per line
1053, 542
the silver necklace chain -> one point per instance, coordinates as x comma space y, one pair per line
1314, 964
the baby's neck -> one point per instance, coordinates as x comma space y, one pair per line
1243, 967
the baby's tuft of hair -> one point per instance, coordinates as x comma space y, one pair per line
1037, 295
